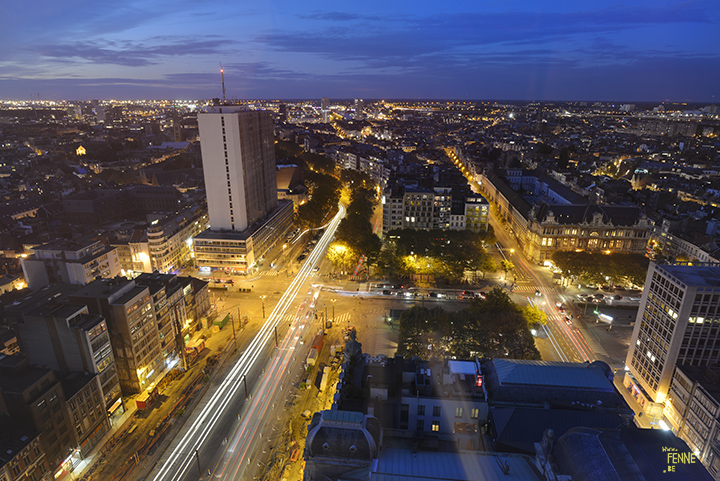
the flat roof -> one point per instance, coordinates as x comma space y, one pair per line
703, 275
406, 465
463, 367
343, 416
550, 373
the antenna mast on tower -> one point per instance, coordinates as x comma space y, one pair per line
222, 78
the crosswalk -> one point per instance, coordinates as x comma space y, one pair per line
533, 289
269, 273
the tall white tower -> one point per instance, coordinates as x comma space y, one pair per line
238, 157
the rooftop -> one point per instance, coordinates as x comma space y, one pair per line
406, 465
697, 275
551, 373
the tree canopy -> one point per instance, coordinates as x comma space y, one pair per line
446, 254
494, 327
598, 268
355, 230
324, 196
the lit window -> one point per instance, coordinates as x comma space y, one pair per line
458, 412
436, 426
474, 413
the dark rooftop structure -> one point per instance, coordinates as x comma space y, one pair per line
554, 384
580, 214
626, 454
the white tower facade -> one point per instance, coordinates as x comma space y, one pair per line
238, 157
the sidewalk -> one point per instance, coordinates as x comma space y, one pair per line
641, 420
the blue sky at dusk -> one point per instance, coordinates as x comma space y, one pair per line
518, 49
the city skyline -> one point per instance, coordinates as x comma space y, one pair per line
564, 51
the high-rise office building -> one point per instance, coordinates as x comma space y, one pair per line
678, 323
246, 219
325, 109
238, 159
359, 109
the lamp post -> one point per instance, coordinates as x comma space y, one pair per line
333, 301
262, 299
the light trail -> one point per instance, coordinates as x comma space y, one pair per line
181, 456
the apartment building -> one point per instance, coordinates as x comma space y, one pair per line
34, 396
72, 262
55, 332
174, 304
21, 455
130, 315
423, 208
693, 412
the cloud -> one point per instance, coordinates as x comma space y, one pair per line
128, 53
339, 17
397, 39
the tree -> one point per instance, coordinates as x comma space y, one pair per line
488, 265
342, 256
506, 266
324, 195
534, 316
388, 260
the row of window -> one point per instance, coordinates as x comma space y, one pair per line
474, 412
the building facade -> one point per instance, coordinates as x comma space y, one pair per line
239, 166
599, 228
432, 208
64, 336
678, 323
134, 335
693, 412
21, 455
70, 262
35, 397
239, 252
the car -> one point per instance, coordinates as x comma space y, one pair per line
386, 292
467, 295
568, 321
537, 292
316, 268
617, 297
301, 257
561, 309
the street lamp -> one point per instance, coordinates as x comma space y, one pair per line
333, 301
262, 299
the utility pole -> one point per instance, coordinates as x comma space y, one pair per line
276, 337
197, 456
245, 382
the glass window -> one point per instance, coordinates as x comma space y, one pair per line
436, 426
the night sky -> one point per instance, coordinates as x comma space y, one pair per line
649, 50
